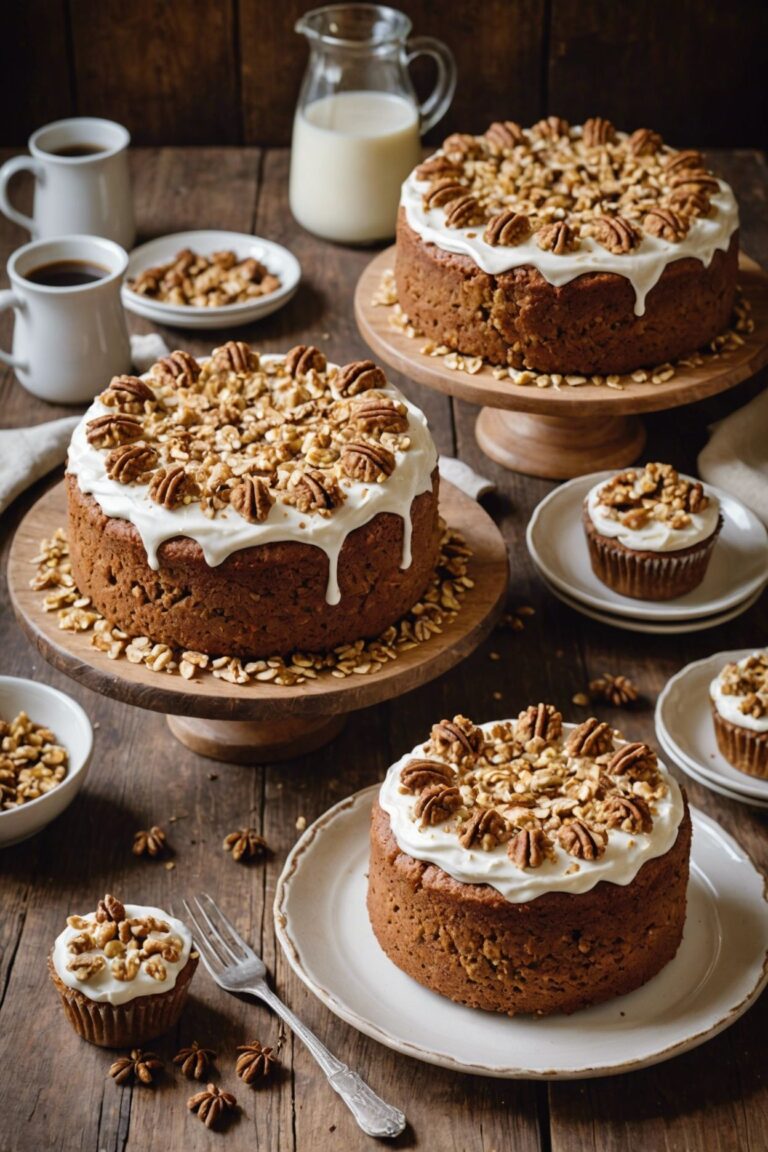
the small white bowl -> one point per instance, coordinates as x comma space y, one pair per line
72, 728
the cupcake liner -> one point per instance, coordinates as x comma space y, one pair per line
745, 749
648, 575
124, 1025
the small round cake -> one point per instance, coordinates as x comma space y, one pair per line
651, 532
567, 249
122, 972
250, 506
529, 866
739, 696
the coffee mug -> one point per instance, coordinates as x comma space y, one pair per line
82, 185
70, 337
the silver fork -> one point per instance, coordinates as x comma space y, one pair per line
237, 968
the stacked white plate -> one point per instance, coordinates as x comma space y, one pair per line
277, 260
735, 578
687, 735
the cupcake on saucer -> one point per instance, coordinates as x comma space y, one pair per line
739, 696
651, 532
122, 972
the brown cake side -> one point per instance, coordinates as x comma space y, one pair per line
557, 953
585, 326
261, 601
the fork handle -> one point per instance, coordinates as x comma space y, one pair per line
374, 1116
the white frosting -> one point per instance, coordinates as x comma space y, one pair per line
655, 535
643, 266
228, 532
624, 856
729, 705
105, 988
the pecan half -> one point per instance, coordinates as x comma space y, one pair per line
169, 486
417, 775
380, 416
644, 142
458, 740
442, 192
366, 462
503, 136
691, 180
598, 132
631, 758
665, 224
616, 234
462, 146
317, 492
552, 128
688, 159
690, 201
528, 848
235, 356
592, 738
359, 376
507, 229
129, 393
463, 213
180, 370
437, 166
110, 430
131, 463
539, 720
580, 840
302, 358
436, 804
558, 238
252, 499
484, 829
630, 813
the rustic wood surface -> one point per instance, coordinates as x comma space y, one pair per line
55, 1094
229, 71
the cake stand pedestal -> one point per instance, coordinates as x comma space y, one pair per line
261, 722
573, 430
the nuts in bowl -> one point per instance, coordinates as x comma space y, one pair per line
45, 748
192, 280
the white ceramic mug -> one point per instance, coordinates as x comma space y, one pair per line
67, 342
83, 194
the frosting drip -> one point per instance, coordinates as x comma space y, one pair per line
228, 532
655, 535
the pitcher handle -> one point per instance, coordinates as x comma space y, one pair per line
7, 172
9, 299
436, 105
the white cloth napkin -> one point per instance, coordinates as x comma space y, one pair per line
26, 454
736, 457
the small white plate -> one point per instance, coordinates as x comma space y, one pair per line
684, 718
737, 569
720, 969
656, 629
673, 756
277, 259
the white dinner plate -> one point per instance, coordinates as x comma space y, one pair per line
684, 717
277, 259
720, 969
712, 784
737, 569
650, 627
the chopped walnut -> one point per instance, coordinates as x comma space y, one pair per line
206, 281
32, 762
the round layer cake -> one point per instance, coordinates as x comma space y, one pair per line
252, 505
567, 250
529, 866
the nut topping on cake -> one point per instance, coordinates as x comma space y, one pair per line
109, 430
304, 358
690, 201
665, 224
507, 229
316, 492
417, 775
695, 180
630, 813
656, 492
235, 356
458, 740
748, 678
484, 829
252, 499
632, 759
359, 376
541, 721
581, 841
598, 132
529, 848
645, 142
592, 738
616, 234
170, 486
504, 135
129, 393
180, 370
366, 462
443, 191
558, 238
551, 128
463, 213
436, 804
461, 145
131, 463
437, 166
379, 416
110, 909
688, 159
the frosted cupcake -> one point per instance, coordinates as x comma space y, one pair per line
651, 532
739, 698
122, 972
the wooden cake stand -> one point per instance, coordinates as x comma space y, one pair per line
566, 432
255, 723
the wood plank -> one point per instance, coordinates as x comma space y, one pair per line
662, 66
36, 81
166, 69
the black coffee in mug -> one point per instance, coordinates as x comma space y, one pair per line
76, 150
66, 274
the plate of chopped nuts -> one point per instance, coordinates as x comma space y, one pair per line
45, 749
209, 279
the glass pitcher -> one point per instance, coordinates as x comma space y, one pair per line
358, 125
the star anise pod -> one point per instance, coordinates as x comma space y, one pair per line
211, 1104
255, 1062
194, 1061
149, 843
615, 690
138, 1066
245, 844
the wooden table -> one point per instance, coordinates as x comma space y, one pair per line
55, 1091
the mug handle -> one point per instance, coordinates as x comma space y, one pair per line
7, 172
436, 105
8, 300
